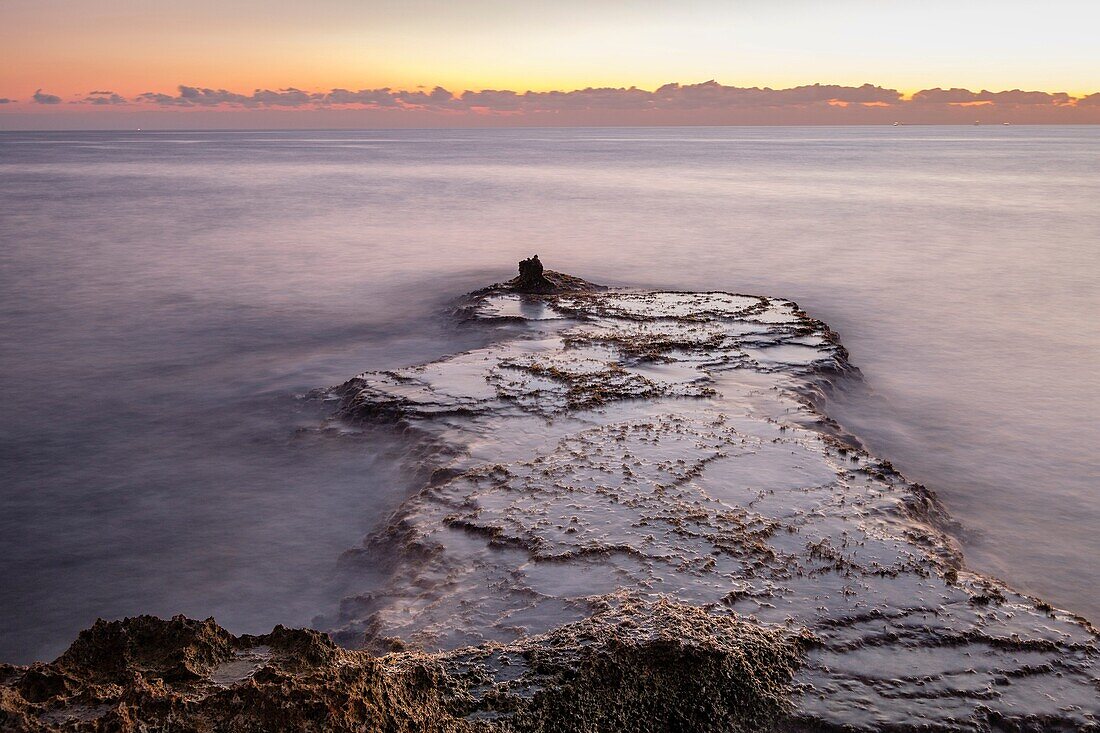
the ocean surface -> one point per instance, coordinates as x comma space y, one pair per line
167, 299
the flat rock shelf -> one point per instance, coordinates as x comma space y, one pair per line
639, 520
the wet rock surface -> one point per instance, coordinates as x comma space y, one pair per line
639, 520
671, 444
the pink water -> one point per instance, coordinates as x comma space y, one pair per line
165, 297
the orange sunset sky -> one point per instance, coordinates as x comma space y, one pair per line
110, 63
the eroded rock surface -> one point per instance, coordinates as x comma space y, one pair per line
716, 673
640, 520
670, 444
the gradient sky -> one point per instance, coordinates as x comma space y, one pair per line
69, 48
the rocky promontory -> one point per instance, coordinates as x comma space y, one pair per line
639, 519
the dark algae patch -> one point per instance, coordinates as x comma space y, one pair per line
638, 519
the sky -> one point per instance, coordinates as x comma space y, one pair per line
89, 62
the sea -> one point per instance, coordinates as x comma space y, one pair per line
169, 300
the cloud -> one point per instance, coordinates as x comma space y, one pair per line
712, 94
42, 98
205, 97
370, 97
590, 99
289, 97
438, 98
103, 98
5, 100
503, 100
1013, 97
708, 95
708, 102
705, 96
162, 99
211, 97
944, 96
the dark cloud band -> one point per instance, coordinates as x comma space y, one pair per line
707, 95
707, 102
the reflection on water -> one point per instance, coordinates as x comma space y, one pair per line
163, 303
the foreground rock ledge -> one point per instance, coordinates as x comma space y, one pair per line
632, 666
639, 520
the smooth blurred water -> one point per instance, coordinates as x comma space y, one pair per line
165, 296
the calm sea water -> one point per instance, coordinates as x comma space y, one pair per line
165, 297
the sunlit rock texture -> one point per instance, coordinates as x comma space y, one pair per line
639, 519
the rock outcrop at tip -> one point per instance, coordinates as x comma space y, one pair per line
534, 279
633, 666
531, 279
